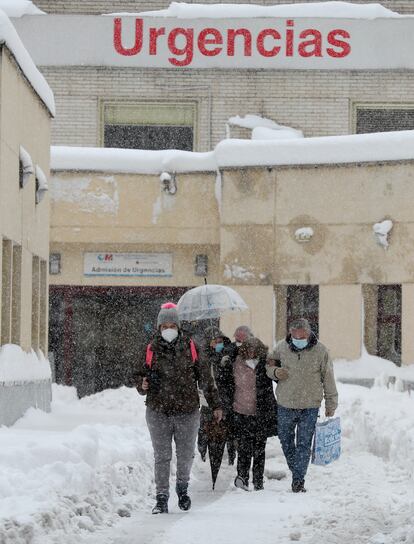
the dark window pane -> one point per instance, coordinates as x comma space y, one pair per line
149, 137
384, 120
389, 323
303, 301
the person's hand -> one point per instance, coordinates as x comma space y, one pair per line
218, 414
145, 384
225, 360
329, 412
281, 374
271, 362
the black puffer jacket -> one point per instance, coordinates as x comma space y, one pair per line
174, 378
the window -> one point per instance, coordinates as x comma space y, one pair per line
383, 117
303, 301
389, 323
151, 126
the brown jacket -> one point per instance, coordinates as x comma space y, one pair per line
174, 378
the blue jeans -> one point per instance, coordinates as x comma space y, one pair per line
299, 424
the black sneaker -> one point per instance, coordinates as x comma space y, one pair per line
241, 483
298, 486
184, 501
258, 486
161, 506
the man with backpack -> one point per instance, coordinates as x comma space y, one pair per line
173, 371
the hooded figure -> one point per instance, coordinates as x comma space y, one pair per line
173, 372
215, 345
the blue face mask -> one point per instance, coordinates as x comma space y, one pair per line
219, 347
300, 343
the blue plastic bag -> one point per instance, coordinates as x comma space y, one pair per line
327, 442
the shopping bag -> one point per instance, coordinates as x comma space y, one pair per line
327, 442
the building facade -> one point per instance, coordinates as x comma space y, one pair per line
24, 230
129, 82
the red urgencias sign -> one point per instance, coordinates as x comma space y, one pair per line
182, 43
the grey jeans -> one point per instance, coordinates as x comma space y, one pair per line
163, 428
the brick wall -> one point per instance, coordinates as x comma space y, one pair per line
318, 102
108, 6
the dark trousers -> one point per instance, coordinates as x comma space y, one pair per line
296, 429
251, 445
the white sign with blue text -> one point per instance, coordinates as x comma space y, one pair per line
127, 264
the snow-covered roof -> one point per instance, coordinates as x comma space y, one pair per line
231, 153
10, 38
182, 10
18, 8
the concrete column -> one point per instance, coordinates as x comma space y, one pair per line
7, 260
260, 315
26, 308
281, 311
370, 297
340, 320
43, 307
407, 324
35, 302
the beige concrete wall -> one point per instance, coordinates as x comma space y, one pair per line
24, 121
260, 316
407, 324
340, 319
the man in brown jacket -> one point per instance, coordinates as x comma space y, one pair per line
301, 366
173, 371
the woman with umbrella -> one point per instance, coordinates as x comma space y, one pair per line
254, 408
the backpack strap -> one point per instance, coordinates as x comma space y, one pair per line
149, 356
194, 354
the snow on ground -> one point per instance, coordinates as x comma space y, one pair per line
83, 474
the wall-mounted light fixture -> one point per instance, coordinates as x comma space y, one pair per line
41, 184
54, 264
168, 183
201, 265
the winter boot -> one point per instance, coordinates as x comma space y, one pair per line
298, 486
184, 501
161, 506
258, 486
241, 483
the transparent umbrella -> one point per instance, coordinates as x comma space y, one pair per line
209, 302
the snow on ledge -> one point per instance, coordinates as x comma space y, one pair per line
381, 146
10, 38
18, 8
230, 153
17, 366
134, 161
335, 10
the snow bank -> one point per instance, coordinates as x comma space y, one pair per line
335, 10
9, 36
78, 468
17, 366
232, 153
18, 8
89, 462
372, 367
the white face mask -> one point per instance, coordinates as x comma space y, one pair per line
238, 344
252, 363
169, 334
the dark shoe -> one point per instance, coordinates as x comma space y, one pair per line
241, 483
258, 486
184, 501
161, 506
298, 486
